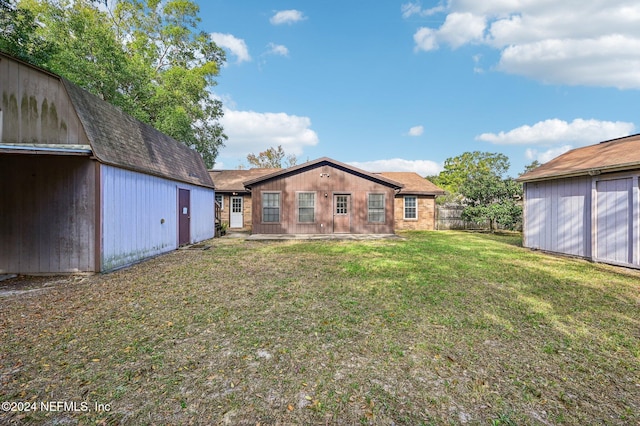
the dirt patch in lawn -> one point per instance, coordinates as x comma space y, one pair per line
439, 328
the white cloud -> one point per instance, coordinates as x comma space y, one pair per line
555, 131
415, 8
543, 157
252, 132
416, 131
421, 167
574, 42
287, 17
235, 45
277, 49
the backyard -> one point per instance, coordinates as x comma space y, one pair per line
434, 328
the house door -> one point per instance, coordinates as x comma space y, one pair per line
341, 213
184, 216
613, 221
236, 220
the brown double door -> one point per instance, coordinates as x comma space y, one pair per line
341, 213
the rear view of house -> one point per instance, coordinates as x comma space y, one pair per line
586, 203
322, 197
85, 187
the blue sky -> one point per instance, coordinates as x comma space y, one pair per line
402, 85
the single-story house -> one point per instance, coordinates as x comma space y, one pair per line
233, 198
322, 197
415, 204
85, 187
586, 203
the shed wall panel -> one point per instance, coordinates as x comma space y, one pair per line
140, 216
36, 108
614, 221
557, 216
47, 206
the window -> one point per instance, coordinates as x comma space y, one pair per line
271, 207
410, 207
375, 206
306, 207
342, 204
220, 201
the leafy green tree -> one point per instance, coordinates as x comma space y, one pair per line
457, 170
534, 165
272, 158
18, 36
491, 197
145, 56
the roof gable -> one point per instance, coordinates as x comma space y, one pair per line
319, 163
608, 156
233, 180
414, 184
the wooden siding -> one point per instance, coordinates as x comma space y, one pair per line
140, 216
35, 108
322, 180
426, 205
47, 206
557, 216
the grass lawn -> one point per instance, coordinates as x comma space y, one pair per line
438, 328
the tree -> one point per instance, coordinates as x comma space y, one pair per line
145, 56
272, 158
534, 165
477, 180
18, 35
490, 197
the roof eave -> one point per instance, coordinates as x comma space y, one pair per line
586, 172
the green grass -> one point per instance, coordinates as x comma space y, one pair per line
438, 328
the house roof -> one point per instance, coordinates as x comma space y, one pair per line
233, 180
414, 184
322, 162
120, 140
609, 156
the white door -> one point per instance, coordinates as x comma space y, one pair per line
236, 213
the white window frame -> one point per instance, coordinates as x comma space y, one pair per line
279, 207
299, 207
414, 207
221, 203
376, 210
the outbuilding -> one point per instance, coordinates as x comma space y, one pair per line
85, 187
586, 203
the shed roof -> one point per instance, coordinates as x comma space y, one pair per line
414, 184
321, 162
608, 156
117, 139
233, 180
120, 140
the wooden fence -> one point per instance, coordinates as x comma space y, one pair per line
449, 216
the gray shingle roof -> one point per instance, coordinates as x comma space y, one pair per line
120, 140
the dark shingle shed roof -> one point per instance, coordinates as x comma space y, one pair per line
120, 140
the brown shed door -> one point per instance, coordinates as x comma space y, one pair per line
184, 216
341, 213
